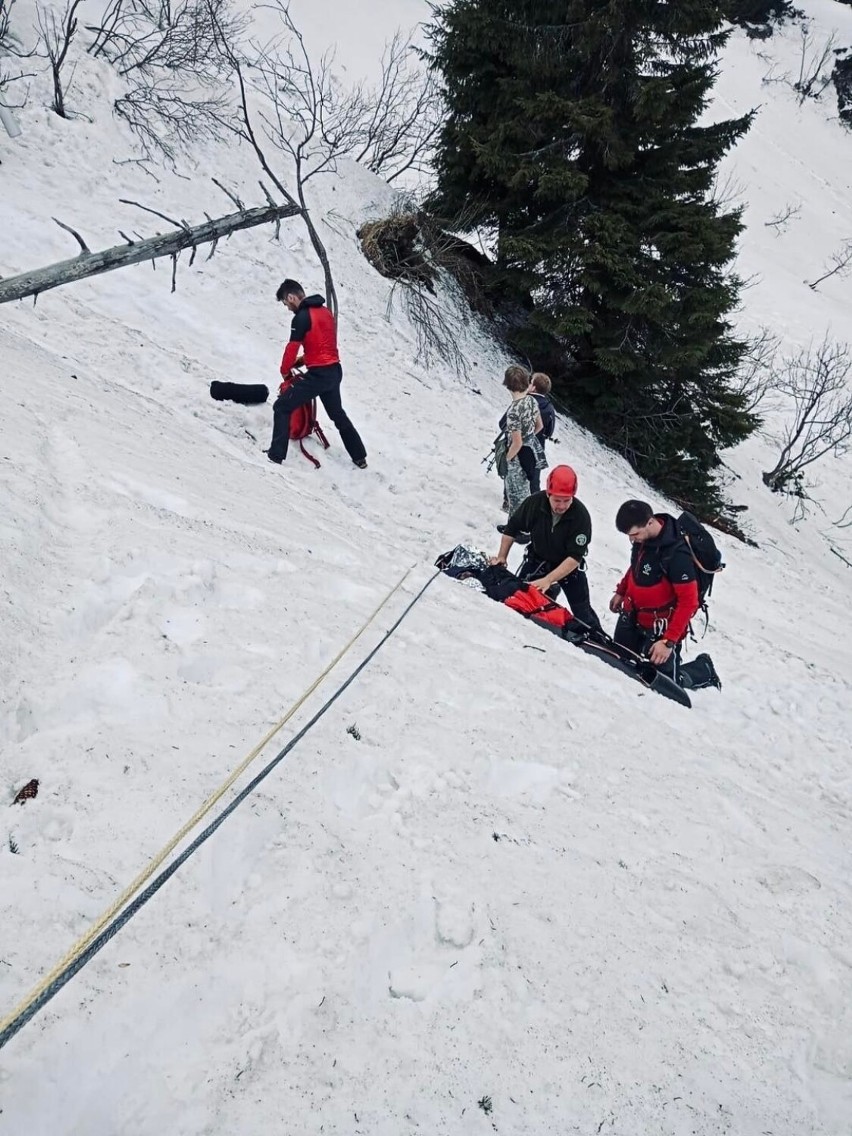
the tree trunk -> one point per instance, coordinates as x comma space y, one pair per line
134, 252
9, 122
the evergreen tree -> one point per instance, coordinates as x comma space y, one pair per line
759, 17
573, 134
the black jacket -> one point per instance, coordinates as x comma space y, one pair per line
570, 536
548, 416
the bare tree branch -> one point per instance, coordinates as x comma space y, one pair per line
10, 48
404, 114
816, 64
166, 35
233, 197
155, 212
293, 105
816, 382
780, 221
87, 264
167, 51
841, 263
83, 246
57, 35
165, 115
303, 116
757, 376
814, 69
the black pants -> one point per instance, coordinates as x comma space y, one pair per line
693, 675
527, 459
575, 587
322, 383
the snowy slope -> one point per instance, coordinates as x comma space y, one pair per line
528, 880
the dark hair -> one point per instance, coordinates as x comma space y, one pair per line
516, 378
633, 513
288, 287
541, 383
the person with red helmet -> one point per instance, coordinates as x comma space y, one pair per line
560, 531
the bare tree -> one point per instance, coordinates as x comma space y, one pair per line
816, 67
841, 264
303, 115
780, 221
167, 50
816, 64
165, 115
399, 131
57, 35
757, 376
291, 106
145, 35
816, 380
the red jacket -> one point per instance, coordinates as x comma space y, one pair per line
660, 583
314, 332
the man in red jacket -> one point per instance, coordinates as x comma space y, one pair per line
314, 334
658, 595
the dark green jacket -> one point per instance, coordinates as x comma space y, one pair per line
570, 536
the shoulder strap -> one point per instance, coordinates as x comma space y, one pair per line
698, 564
315, 461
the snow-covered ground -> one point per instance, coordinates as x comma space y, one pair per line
528, 880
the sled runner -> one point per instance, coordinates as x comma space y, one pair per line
500, 584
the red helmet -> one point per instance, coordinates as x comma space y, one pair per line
562, 481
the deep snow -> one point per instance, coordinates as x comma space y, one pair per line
528, 880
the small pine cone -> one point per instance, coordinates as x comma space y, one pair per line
29, 791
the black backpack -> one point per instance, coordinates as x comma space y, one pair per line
548, 415
706, 556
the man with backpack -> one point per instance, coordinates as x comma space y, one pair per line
660, 593
313, 332
560, 530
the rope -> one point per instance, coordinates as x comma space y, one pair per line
96, 937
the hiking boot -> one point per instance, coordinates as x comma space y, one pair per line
275, 461
712, 677
575, 632
699, 674
362, 464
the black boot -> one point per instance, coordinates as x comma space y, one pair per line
700, 673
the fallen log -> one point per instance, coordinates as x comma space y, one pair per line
88, 263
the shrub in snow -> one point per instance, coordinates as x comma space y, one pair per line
841, 76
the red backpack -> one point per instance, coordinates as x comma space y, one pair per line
303, 423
